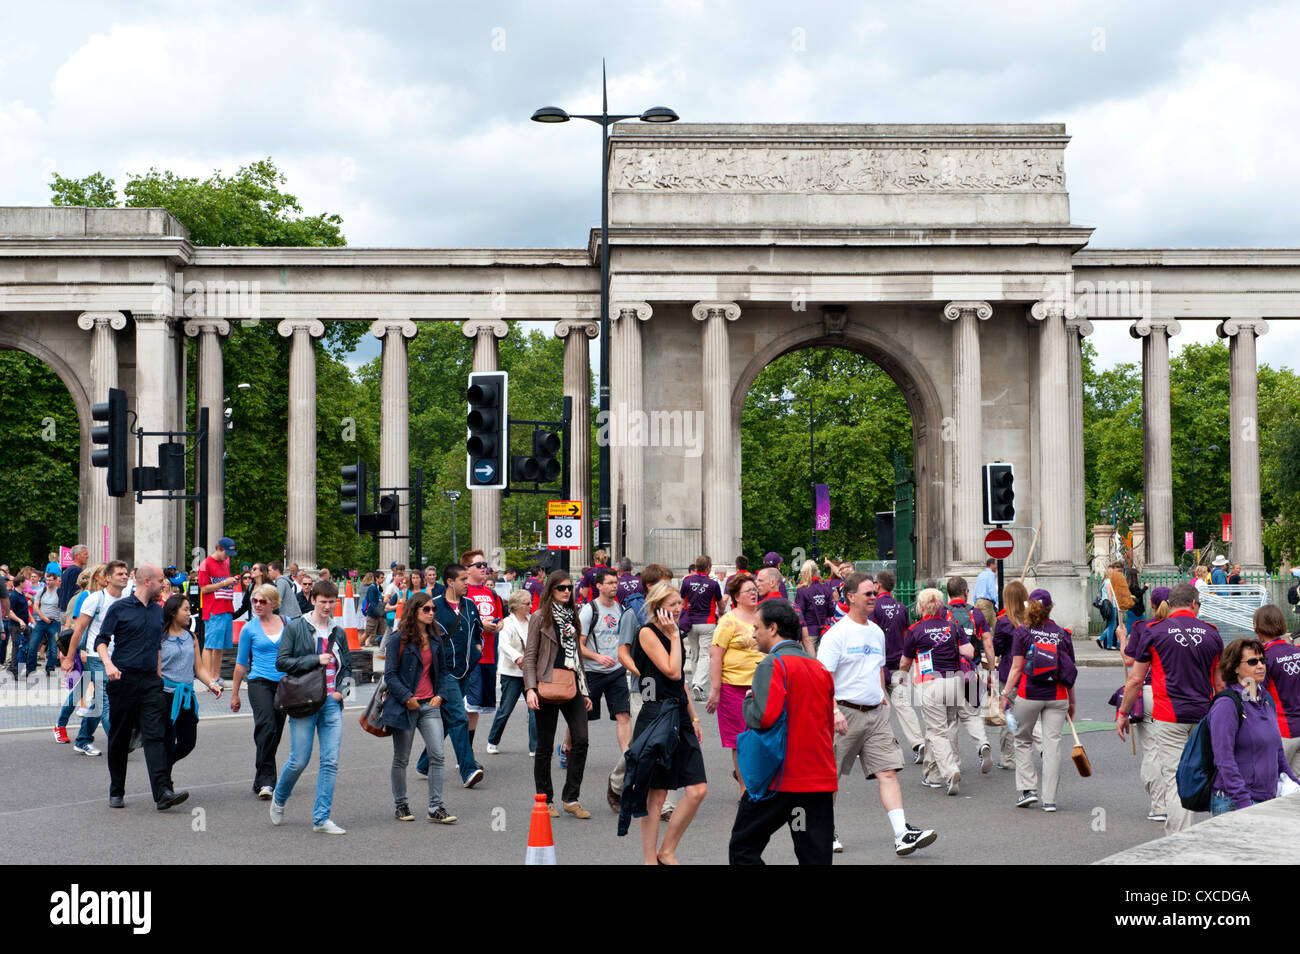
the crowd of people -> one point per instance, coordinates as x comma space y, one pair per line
829, 672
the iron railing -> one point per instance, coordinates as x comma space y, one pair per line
674, 547
1232, 605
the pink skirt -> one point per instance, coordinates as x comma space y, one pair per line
731, 716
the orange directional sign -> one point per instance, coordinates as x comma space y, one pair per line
563, 524
564, 508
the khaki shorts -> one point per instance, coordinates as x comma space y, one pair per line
870, 737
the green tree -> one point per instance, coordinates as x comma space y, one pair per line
95, 191
859, 419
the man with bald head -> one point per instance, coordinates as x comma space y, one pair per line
769, 584
129, 643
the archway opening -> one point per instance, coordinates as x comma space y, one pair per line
41, 448
821, 415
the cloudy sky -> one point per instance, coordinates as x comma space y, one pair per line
411, 119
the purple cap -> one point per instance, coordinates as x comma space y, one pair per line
1041, 596
772, 559
1159, 594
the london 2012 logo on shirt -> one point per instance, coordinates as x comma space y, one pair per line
1195, 633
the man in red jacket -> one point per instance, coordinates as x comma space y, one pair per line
791, 681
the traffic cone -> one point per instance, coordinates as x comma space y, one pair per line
338, 615
350, 619
541, 846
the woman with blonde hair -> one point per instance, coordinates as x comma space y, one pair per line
1011, 616
259, 642
813, 602
657, 656
513, 638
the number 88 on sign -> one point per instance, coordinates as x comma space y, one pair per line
563, 524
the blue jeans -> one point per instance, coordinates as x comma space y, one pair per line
328, 723
47, 633
1108, 639
99, 713
18, 636
512, 687
456, 723
1221, 804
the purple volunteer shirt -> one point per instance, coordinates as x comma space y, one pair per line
1134, 637
1003, 632
1183, 652
940, 637
628, 583
1284, 685
703, 597
587, 585
813, 604
1044, 632
891, 616
1248, 753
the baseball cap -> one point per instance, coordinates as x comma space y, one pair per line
771, 559
1041, 596
228, 545
54, 568
1159, 594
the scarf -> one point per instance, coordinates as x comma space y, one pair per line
565, 631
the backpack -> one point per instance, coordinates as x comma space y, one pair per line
760, 754
1047, 664
1196, 767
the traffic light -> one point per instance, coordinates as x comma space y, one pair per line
540, 467
485, 442
353, 492
389, 516
999, 493
112, 434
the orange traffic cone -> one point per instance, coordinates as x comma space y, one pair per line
541, 846
350, 619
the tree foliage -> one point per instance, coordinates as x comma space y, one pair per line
859, 419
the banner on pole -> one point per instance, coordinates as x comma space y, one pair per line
1188, 544
1227, 528
65, 557
823, 494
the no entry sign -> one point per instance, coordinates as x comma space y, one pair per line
998, 544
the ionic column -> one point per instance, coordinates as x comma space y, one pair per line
718, 517
101, 509
1243, 418
153, 518
1053, 431
300, 531
577, 385
212, 395
394, 430
1157, 439
485, 505
626, 399
1076, 330
967, 497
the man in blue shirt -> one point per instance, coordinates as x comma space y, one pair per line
129, 644
986, 590
1219, 576
458, 617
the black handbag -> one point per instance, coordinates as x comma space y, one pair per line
1105, 608
300, 696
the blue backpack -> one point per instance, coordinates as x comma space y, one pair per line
760, 753
1196, 766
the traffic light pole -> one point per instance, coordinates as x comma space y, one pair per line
565, 427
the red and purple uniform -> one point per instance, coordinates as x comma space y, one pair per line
587, 585
891, 616
488, 604
535, 586
628, 583
1130, 648
1044, 632
1184, 653
940, 637
1284, 685
813, 604
702, 596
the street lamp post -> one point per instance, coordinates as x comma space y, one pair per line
553, 114
814, 550
453, 496
1196, 450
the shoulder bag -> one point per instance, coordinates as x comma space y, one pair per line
302, 695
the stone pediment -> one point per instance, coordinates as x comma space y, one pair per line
839, 176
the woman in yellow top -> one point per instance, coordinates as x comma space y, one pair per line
733, 657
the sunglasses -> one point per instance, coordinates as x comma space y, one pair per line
426, 608
564, 586
1253, 661
257, 600
479, 566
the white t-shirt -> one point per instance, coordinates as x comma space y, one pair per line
854, 655
604, 639
96, 606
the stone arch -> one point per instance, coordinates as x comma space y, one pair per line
923, 403
14, 336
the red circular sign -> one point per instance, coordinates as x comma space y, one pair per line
998, 544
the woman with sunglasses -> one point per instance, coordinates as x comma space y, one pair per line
552, 656
1248, 756
249, 580
733, 657
413, 674
259, 642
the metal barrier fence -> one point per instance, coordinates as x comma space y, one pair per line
1263, 587
674, 547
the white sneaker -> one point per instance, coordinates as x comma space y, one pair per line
986, 758
265, 792
492, 749
85, 748
954, 784
532, 755
277, 813
836, 846
327, 827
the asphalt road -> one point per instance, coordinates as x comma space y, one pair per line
55, 807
